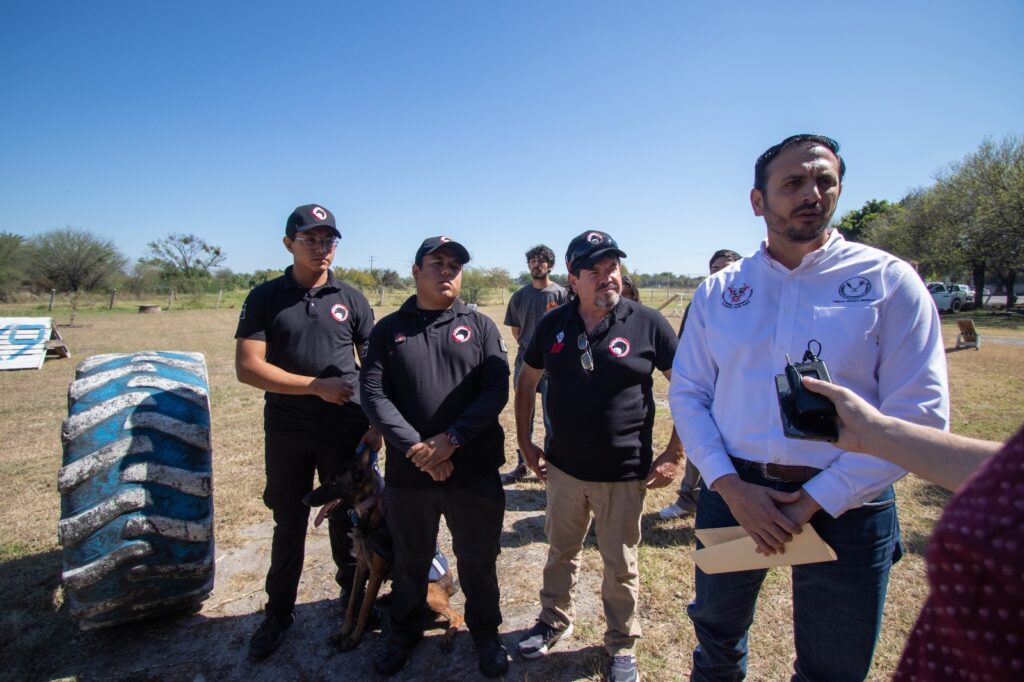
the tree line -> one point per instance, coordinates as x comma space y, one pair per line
967, 226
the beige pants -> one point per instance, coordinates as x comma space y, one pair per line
617, 508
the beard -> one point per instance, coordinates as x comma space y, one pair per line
538, 274
800, 234
607, 299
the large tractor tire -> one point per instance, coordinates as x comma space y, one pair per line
136, 488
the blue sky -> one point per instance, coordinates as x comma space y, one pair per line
499, 124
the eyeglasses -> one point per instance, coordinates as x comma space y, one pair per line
587, 359
325, 245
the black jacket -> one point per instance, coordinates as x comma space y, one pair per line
423, 378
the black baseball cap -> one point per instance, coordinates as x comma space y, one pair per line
588, 248
308, 217
432, 244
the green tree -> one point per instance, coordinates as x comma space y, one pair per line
990, 181
13, 263
73, 260
854, 223
474, 281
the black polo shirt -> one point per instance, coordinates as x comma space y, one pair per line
426, 373
602, 420
309, 332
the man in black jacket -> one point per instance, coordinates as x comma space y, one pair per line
434, 380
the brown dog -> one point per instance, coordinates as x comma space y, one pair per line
360, 485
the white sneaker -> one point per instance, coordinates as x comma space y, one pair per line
674, 511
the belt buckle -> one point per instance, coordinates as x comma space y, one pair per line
763, 466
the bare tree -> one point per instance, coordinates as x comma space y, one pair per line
74, 260
186, 255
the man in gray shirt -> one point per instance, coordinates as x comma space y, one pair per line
525, 309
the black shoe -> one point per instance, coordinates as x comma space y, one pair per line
516, 475
540, 638
623, 669
268, 636
394, 654
492, 655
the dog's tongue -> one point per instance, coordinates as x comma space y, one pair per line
325, 511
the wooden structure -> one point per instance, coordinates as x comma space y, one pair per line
26, 342
968, 336
149, 308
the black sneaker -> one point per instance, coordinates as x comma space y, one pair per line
394, 654
540, 639
268, 636
623, 668
492, 655
516, 475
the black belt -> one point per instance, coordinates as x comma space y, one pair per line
777, 472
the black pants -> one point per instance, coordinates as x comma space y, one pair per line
291, 459
474, 512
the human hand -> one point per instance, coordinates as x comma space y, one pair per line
430, 452
374, 441
663, 470
442, 471
534, 458
756, 508
858, 419
332, 389
801, 511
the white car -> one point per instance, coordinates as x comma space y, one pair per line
948, 297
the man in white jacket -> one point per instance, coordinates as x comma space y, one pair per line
879, 335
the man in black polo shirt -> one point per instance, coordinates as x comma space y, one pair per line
296, 339
434, 380
600, 352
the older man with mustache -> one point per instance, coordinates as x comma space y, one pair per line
600, 352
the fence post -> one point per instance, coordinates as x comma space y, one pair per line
170, 299
53, 292
220, 294
113, 294
382, 296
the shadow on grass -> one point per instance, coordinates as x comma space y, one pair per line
914, 542
932, 495
657, 532
533, 498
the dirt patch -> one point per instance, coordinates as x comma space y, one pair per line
213, 644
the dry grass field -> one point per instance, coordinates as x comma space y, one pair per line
38, 639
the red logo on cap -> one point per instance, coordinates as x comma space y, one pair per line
319, 213
444, 239
595, 237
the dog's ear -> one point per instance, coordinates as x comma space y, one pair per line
319, 497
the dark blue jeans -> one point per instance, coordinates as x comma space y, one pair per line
837, 606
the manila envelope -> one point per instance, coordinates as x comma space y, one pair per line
731, 549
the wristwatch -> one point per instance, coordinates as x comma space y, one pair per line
453, 440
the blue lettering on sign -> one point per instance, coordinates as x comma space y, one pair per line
12, 337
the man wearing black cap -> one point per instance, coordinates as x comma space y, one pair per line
599, 353
434, 380
296, 339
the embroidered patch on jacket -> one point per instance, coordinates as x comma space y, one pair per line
619, 347
339, 311
462, 333
737, 297
399, 338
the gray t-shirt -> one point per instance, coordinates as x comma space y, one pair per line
528, 305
